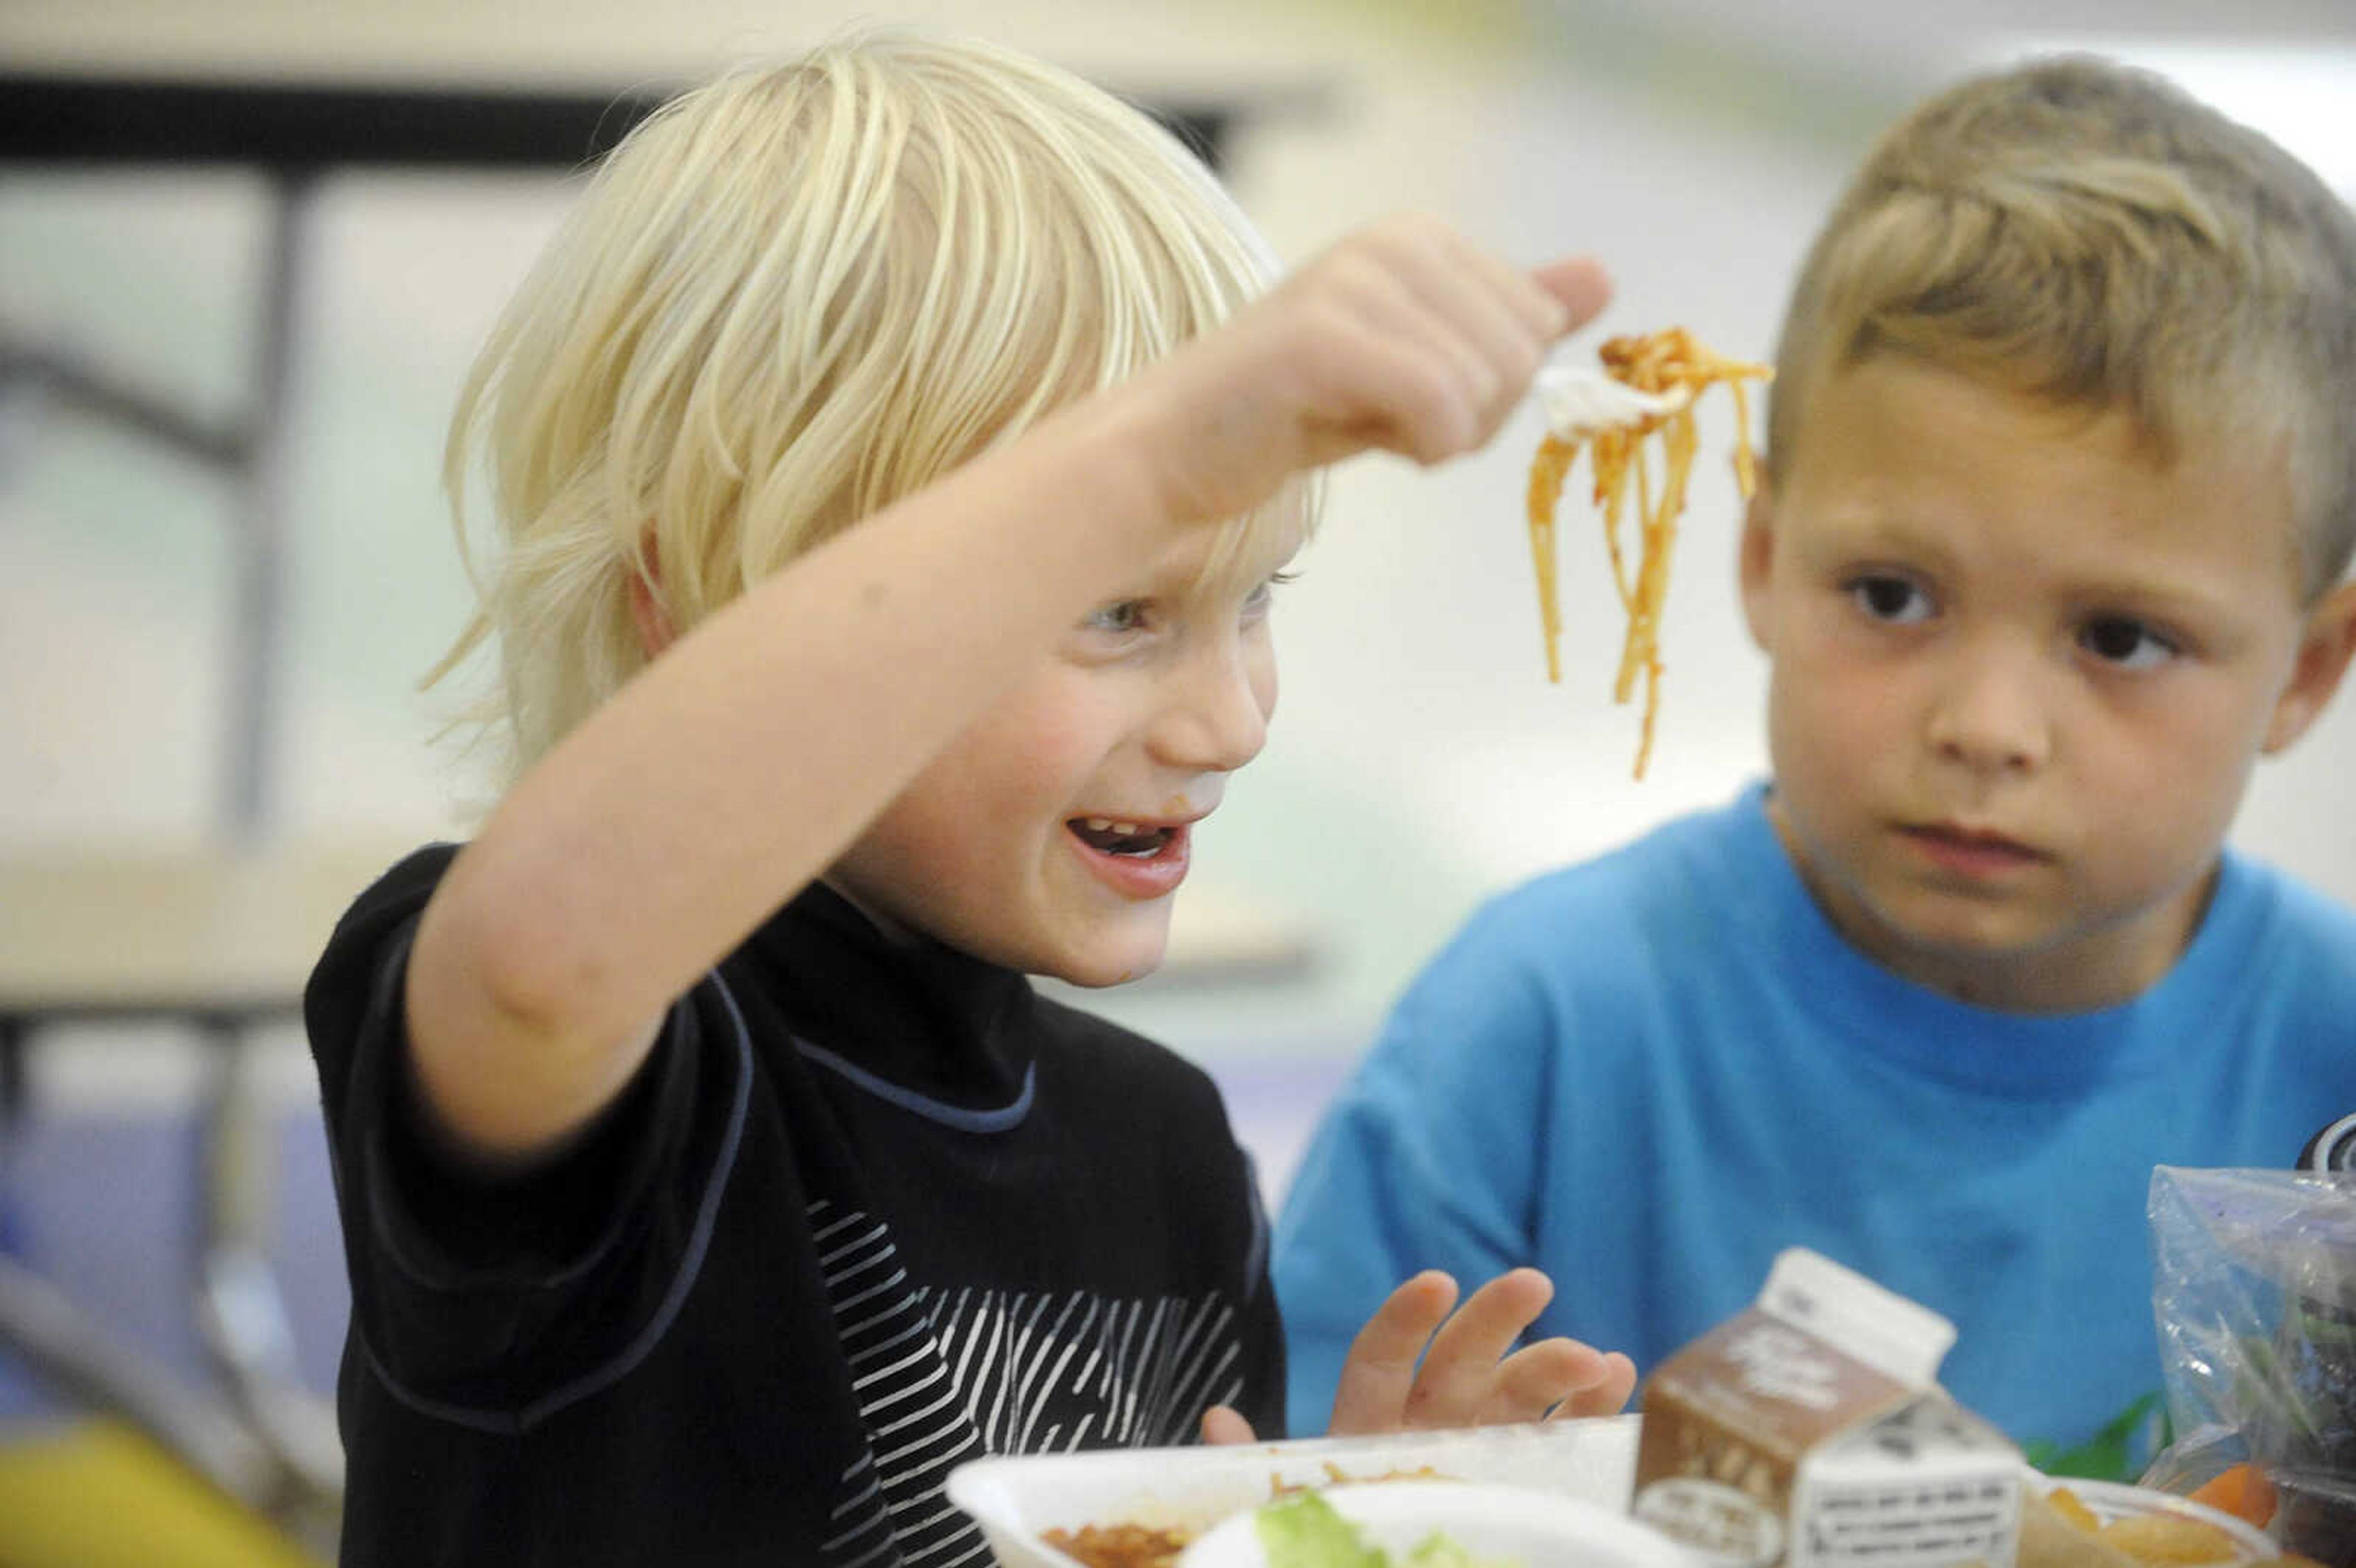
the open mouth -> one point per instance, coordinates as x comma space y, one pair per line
1129, 840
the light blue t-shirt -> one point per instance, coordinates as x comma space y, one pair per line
1650, 1072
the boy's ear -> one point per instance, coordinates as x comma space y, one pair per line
1757, 565
2324, 650
654, 631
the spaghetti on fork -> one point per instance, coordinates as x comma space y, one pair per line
1674, 366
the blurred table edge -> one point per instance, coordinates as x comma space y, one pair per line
229, 936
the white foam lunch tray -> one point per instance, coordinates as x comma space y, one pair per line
1016, 1498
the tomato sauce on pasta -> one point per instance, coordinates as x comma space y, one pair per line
1618, 456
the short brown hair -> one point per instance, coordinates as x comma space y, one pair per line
2090, 233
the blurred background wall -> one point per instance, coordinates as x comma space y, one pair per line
1419, 761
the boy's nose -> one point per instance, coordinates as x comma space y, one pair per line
1214, 718
1991, 714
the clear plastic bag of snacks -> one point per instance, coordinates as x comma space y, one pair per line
2254, 1299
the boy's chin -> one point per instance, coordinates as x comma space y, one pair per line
1102, 975
1115, 959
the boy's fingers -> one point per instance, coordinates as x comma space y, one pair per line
1561, 1377
1433, 394
1445, 409
1608, 1395
1425, 343
1503, 313
1580, 283
1461, 1369
1415, 1364
1454, 274
1537, 1380
1225, 1424
1379, 1371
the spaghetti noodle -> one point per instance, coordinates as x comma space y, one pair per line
1660, 362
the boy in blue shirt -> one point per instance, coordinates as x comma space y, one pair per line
2059, 496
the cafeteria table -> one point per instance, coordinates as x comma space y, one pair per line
217, 941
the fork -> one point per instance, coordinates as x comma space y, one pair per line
1579, 400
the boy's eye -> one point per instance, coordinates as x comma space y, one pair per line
1120, 615
1890, 600
1257, 603
2125, 643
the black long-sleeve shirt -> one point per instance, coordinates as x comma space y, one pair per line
866, 1212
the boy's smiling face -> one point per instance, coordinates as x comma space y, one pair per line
2020, 673
1052, 833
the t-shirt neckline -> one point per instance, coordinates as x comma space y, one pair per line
1926, 1030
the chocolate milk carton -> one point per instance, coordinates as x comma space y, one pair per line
1807, 1431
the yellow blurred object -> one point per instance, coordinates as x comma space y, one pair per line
97, 1494
2065, 1503
2162, 1538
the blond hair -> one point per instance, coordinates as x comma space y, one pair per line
2089, 233
787, 299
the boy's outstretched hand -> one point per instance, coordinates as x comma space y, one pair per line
1415, 1364
1404, 337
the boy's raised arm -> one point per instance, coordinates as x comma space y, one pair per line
742, 762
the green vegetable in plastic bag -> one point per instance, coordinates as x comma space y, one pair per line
2253, 1293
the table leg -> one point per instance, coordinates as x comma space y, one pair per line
13, 1094
240, 1313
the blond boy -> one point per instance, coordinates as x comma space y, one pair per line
886, 524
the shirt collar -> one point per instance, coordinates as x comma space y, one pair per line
922, 1017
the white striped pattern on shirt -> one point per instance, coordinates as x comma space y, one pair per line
943, 1376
